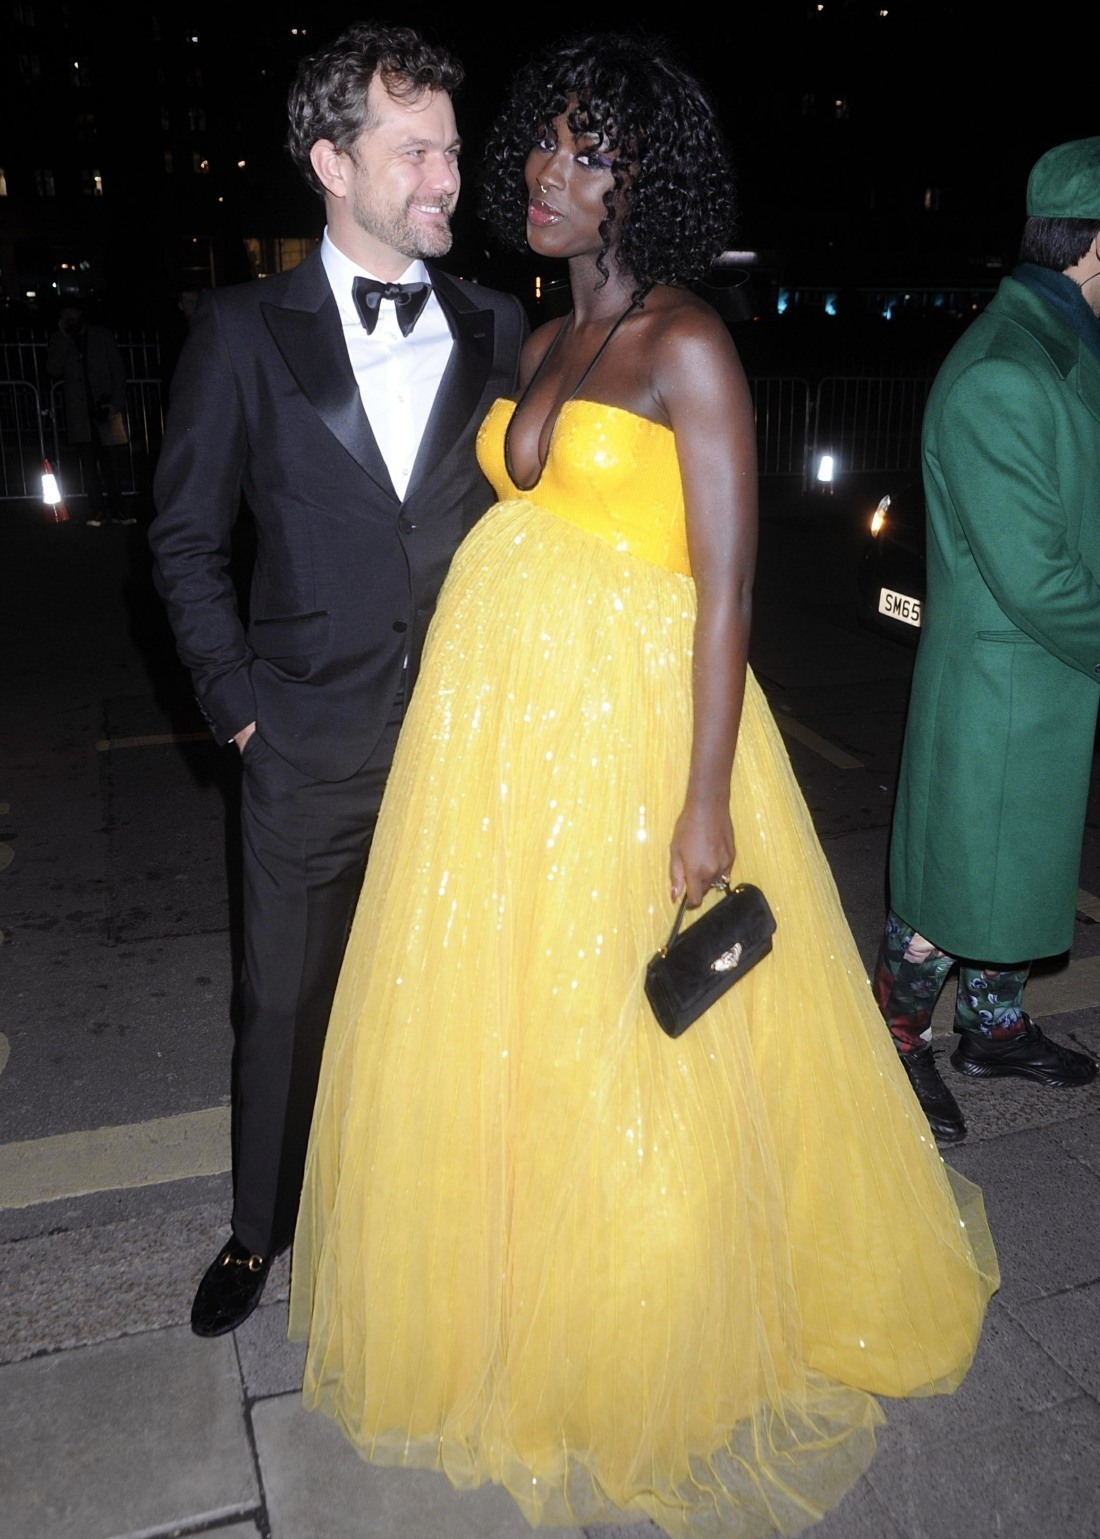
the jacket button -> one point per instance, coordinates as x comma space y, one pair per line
406, 524
399, 626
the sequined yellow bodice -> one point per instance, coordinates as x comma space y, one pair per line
608, 471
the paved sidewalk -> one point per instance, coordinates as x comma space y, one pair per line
117, 1423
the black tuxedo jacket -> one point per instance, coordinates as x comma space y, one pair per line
264, 404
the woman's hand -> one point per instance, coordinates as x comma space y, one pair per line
702, 850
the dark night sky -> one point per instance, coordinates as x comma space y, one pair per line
952, 96
956, 98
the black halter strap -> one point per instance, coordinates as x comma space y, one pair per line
543, 361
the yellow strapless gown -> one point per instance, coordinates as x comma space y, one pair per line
541, 1243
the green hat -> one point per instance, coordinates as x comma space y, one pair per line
1065, 182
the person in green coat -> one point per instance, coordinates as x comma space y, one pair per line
986, 843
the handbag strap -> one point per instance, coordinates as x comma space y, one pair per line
720, 884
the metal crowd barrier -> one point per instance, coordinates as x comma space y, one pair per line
781, 407
22, 439
145, 424
32, 420
867, 423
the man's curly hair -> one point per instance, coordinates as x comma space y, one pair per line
328, 99
670, 153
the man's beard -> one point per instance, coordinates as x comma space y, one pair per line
401, 231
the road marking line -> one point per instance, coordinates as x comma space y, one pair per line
820, 745
7, 855
115, 1159
1088, 905
5, 1051
157, 740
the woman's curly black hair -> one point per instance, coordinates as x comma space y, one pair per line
670, 153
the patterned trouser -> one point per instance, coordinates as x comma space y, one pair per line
910, 974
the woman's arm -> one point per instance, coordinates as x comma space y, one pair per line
702, 387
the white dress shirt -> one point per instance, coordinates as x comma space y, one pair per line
398, 377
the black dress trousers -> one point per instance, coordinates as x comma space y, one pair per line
305, 846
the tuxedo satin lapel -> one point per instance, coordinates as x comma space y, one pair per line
312, 344
463, 383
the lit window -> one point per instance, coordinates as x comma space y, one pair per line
3, 184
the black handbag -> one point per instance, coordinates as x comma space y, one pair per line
695, 968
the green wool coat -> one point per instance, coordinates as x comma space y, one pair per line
986, 844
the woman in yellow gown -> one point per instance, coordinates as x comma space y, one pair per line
541, 1243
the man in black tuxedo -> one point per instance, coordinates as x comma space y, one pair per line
343, 406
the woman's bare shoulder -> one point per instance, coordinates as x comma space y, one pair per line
679, 315
689, 341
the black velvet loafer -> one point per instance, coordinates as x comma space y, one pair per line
230, 1290
936, 1101
1030, 1055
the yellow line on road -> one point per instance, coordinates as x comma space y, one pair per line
113, 1159
791, 728
109, 744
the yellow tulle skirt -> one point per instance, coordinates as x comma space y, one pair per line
541, 1243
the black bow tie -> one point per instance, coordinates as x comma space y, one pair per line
408, 298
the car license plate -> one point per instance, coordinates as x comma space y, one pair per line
899, 606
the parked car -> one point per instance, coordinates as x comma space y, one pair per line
891, 577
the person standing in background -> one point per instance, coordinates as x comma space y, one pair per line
994, 779
87, 360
